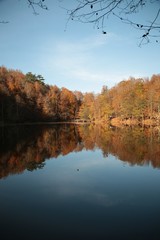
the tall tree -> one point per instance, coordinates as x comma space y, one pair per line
87, 109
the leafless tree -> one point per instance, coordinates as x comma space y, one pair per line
97, 12
37, 3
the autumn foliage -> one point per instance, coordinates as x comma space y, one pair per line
130, 101
26, 98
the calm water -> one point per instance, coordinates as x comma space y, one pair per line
79, 182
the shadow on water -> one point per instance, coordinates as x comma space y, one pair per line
27, 147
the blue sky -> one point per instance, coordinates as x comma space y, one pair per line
78, 57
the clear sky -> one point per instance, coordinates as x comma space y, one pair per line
78, 57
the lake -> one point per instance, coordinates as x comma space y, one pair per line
79, 182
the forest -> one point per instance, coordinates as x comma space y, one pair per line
26, 98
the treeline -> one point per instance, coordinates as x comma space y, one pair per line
134, 99
25, 97
27, 147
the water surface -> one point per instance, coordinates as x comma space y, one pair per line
81, 182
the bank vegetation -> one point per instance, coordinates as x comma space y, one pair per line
26, 98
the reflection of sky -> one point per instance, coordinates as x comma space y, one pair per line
82, 189
88, 177
100, 181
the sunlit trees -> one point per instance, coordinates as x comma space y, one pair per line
67, 104
130, 99
86, 111
27, 98
153, 96
105, 107
139, 109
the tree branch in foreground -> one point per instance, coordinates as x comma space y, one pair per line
98, 12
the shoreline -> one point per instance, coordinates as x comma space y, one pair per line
42, 123
135, 122
114, 122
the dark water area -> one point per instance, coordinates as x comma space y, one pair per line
79, 182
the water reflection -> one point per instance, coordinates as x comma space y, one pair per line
83, 192
27, 147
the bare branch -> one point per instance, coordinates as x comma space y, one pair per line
33, 4
98, 11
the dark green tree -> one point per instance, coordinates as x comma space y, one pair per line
33, 77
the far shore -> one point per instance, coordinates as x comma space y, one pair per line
43, 123
134, 122
114, 122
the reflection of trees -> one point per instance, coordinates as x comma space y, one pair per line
134, 145
28, 147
